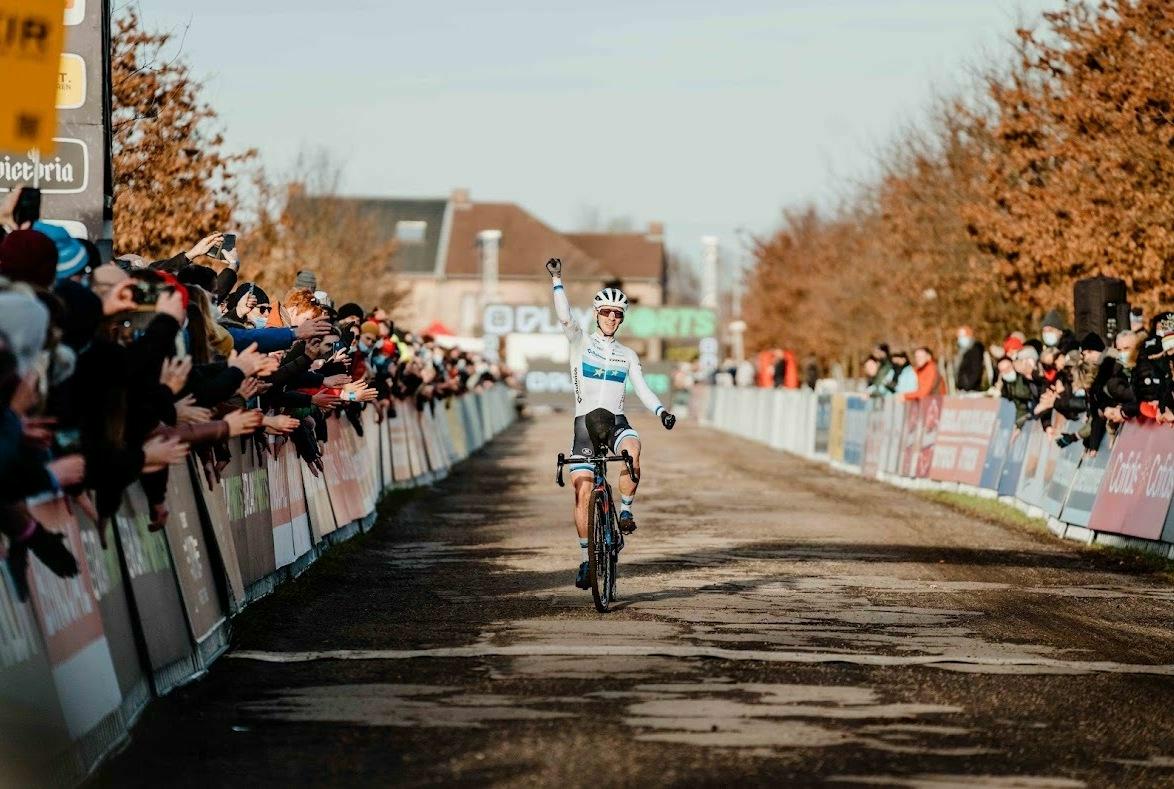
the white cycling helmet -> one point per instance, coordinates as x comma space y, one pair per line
611, 297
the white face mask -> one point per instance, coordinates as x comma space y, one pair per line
1009, 377
965, 342
1051, 338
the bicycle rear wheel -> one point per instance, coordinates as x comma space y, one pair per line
600, 561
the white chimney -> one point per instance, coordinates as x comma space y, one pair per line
709, 272
488, 246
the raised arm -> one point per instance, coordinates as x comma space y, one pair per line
562, 307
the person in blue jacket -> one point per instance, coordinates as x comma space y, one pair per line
246, 315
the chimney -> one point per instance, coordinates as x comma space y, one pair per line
655, 232
460, 198
488, 245
709, 286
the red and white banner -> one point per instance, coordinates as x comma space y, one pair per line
1137, 487
963, 435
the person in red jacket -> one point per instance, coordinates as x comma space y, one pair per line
929, 379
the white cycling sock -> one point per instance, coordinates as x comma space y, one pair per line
626, 503
583, 547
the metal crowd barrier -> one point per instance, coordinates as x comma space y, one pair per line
1121, 496
83, 657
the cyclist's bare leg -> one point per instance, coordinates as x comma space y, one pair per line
627, 484
582, 482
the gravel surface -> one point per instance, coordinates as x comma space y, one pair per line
777, 623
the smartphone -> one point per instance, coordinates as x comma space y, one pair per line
227, 241
28, 205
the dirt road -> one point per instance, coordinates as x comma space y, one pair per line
779, 623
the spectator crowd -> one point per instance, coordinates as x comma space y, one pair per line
1092, 385
113, 372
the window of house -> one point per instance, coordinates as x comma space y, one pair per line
410, 231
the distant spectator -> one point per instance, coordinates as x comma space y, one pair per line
969, 366
929, 378
903, 378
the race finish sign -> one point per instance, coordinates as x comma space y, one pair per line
32, 35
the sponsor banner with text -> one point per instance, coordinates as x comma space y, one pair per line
1134, 497
963, 437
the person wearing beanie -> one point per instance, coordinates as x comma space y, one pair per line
239, 321
306, 281
350, 313
24, 321
71, 255
1092, 342
29, 256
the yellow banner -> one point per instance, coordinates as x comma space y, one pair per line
31, 39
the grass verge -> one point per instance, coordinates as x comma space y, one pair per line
1105, 557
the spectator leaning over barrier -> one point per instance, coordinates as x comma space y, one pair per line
94, 395
1025, 389
969, 364
903, 378
929, 378
1151, 375
869, 367
884, 369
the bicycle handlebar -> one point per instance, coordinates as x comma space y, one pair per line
563, 460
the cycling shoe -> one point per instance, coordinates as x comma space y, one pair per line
581, 580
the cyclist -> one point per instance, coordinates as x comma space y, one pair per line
600, 369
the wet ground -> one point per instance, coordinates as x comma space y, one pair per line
778, 623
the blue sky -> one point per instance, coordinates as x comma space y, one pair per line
711, 117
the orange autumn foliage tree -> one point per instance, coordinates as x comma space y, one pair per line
173, 182
1079, 180
1058, 168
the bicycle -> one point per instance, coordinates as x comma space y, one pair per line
604, 540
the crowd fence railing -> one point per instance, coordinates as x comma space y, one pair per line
82, 658
1120, 496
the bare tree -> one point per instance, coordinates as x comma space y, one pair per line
303, 222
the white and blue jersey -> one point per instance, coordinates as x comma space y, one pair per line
601, 367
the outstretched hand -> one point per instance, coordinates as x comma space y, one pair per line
668, 420
555, 267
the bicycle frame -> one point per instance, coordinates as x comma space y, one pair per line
605, 553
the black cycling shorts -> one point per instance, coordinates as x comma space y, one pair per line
581, 443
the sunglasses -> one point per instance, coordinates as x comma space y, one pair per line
610, 313
263, 308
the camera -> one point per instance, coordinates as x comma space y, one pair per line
144, 293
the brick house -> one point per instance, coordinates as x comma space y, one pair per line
448, 249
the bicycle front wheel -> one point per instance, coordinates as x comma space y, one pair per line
600, 567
